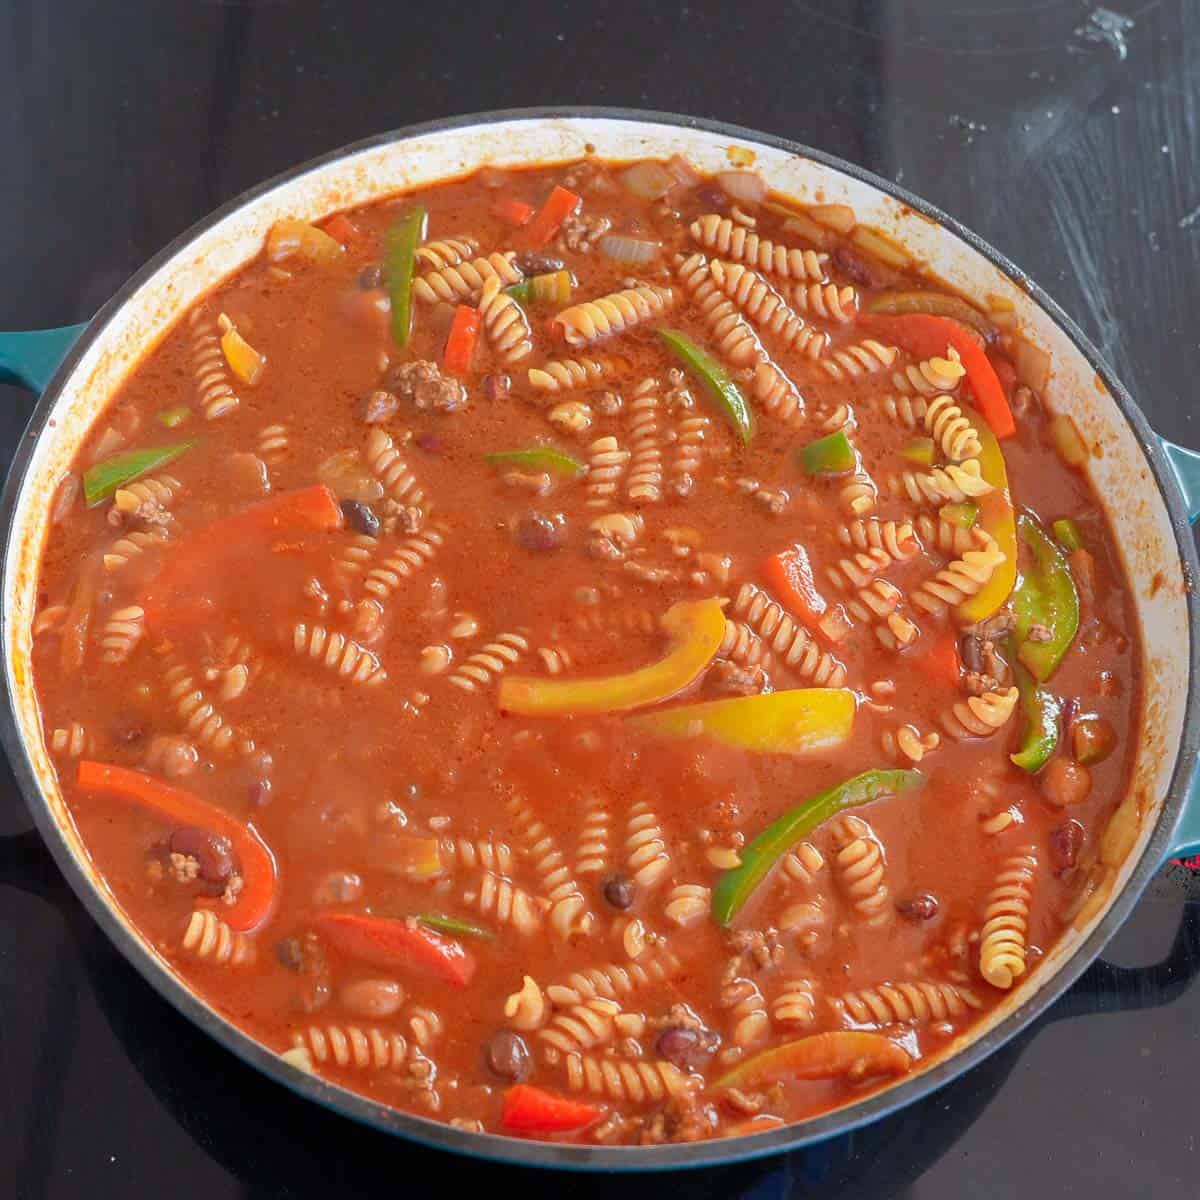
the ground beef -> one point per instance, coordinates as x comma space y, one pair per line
729, 679
580, 233
756, 948
422, 384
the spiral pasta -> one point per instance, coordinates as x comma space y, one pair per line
492, 659
947, 537
746, 1010
504, 323
646, 856
592, 851
931, 376
691, 439
1005, 933
795, 1004
911, 1002
405, 561
980, 716
860, 869
273, 444
131, 546
632, 1081
581, 1026
386, 463
743, 646
955, 482
151, 491
949, 427
72, 740
734, 340
615, 981
896, 539
906, 411
858, 494
803, 864
200, 716
687, 902
526, 1008
607, 461
876, 601
337, 653
496, 896
353, 1046
446, 252
857, 570
568, 374
962, 578
488, 854
734, 241
897, 632
864, 358
121, 633
463, 280
568, 908
908, 742
214, 391
767, 309
791, 642
613, 314
777, 394
828, 301
644, 482
208, 937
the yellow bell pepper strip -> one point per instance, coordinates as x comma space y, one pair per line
554, 287
936, 304
735, 886
696, 629
962, 515
714, 379
289, 236
921, 451
399, 266
1045, 602
1067, 534
851, 1052
244, 361
798, 721
537, 458
997, 518
1041, 711
830, 455
102, 480
256, 901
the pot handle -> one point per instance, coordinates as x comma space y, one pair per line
29, 359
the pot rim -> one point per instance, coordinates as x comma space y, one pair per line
519, 1152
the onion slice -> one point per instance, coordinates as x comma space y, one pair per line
631, 250
647, 180
747, 187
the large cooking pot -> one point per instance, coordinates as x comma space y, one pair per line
1150, 487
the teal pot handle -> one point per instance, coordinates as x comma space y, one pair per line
30, 359
1186, 466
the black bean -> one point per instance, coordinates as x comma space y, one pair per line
213, 852
683, 1046
508, 1055
539, 534
921, 907
711, 196
619, 891
371, 277
290, 953
529, 262
127, 729
360, 517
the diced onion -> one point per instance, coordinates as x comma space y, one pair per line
880, 246
748, 187
347, 475
803, 227
838, 217
683, 170
1066, 440
648, 180
1032, 364
622, 249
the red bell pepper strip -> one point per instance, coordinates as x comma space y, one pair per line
339, 226
559, 205
310, 508
512, 210
256, 900
529, 1109
394, 942
460, 342
790, 575
926, 336
941, 660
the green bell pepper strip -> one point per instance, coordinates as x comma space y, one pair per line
1045, 596
103, 479
715, 379
963, 515
830, 455
400, 244
735, 886
1041, 710
537, 458
1067, 534
552, 288
458, 926
920, 451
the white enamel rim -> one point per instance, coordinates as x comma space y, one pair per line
1128, 469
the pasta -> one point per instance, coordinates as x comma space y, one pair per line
767, 309
592, 852
1004, 936
951, 430
954, 483
581, 1026
132, 546
859, 866
794, 645
733, 241
931, 376
567, 374
733, 338
896, 539
619, 1079
367, 1048
687, 902
908, 742
568, 909
214, 392
405, 561
498, 897
863, 358
73, 741
980, 716
743, 646
200, 716
947, 537
646, 854
489, 853
962, 578
273, 444
386, 464
494, 658
828, 301
141, 496
121, 633
607, 463
644, 482
504, 322
615, 981
337, 653
446, 252
794, 1005
464, 280
526, 1008
858, 495
777, 394
913, 1002
613, 314
746, 1010
209, 938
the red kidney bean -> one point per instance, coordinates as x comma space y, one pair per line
619, 891
360, 517
1066, 840
338, 887
508, 1055
921, 907
213, 852
539, 534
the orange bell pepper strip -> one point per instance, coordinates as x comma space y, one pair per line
398, 942
790, 576
797, 721
461, 340
256, 901
310, 508
996, 517
559, 205
696, 629
512, 210
529, 1109
340, 227
851, 1053
925, 336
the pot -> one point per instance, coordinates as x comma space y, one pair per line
1151, 489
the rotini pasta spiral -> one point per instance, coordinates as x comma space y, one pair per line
894, 538
567, 374
858, 570
606, 465
592, 852
498, 897
426, 1025
687, 902
897, 632
73, 740
931, 376
734, 241
906, 411
646, 855
616, 981
214, 391
734, 340
466, 279
1004, 936
209, 938
337, 653
273, 444
777, 394
644, 482
691, 439
504, 323
746, 1007
568, 909
631, 1081
121, 633
954, 483
131, 546
405, 561
859, 865
791, 642
526, 1008
446, 252
582, 1026
767, 309
743, 646
488, 854
353, 1046
863, 358
858, 494
804, 864
980, 716
795, 1004
492, 659
151, 491
912, 1002
613, 314
962, 578
947, 537
828, 301
908, 742
388, 466
949, 427
876, 601
200, 716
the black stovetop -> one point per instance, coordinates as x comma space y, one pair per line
1065, 135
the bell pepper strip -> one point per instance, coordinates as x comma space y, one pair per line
461, 340
996, 517
735, 886
790, 576
400, 244
172, 418
398, 942
830, 455
925, 336
256, 901
963, 515
1045, 602
193, 560
340, 228
936, 304
696, 629
411, 855
939, 657
512, 210
797, 721
458, 926
529, 1109
560, 204
102, 479
244, 361
715, 380
843, 1052
288, 237
537, 458
1041, 711
1067, 534
1093, 739
554, 287
921, 451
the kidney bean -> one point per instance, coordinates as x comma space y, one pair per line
213, 852
360, 517
921, 907
290, 953
508, 1055
374, 998
430, 442
1065, 782
689, 1049
530, 262
128, 729
619, 891
370, 277
1066, 840
496, 387
338, 887
539, 534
